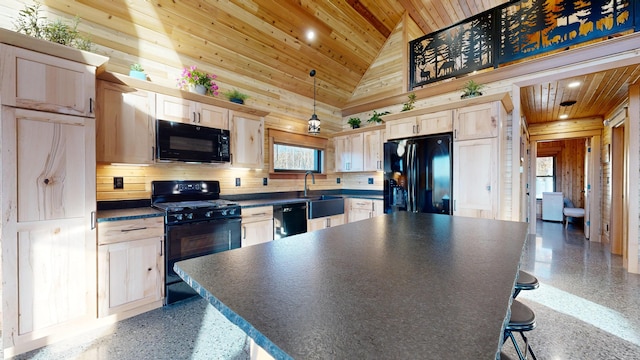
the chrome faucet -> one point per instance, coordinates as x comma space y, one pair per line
313, 181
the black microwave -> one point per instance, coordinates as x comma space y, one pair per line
193, 143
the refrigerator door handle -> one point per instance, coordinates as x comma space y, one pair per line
412, 178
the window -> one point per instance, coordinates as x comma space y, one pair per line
296, 158
294, 154
545, 175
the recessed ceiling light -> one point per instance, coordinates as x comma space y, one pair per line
564, 116
574, 84
311, 35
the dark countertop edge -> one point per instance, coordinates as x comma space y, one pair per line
127, 214
261, 340
292, 197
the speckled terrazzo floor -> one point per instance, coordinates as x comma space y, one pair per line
587, 307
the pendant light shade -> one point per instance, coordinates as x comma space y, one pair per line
314, 122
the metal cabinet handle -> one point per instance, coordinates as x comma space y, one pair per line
93, 220
134, 229
90, 105
199, 118
328, 222
244, 232
194, 116
417, 129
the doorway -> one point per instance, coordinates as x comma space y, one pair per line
617, 235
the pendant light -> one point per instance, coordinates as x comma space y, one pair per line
314, 122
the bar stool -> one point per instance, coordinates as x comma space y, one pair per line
525, 281
522, 319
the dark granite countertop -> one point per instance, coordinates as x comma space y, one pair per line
291, 199
396, 286
127, 214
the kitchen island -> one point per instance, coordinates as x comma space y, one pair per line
401, 285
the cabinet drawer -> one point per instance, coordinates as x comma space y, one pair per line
361, 204
257, 214
125, 230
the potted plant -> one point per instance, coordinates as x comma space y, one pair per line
136, 71
235, 96
198, 81
409, 105
471, 89
377, 117
354, 122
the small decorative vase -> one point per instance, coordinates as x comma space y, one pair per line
237, 101
200, 89
355, 126
138, 74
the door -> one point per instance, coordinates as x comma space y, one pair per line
617, 233
474, 178
50, 236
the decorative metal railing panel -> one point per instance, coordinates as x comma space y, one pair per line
515, 31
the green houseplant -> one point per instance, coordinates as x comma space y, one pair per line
471, 89
29, 22
409, 105
377, 117
235, 96
136, 71
354, 122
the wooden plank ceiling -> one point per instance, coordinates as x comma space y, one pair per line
266, 40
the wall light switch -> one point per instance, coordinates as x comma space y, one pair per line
237, 181
118, 182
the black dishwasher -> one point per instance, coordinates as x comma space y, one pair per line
290, 219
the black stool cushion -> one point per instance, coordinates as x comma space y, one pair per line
522, 317
526, 281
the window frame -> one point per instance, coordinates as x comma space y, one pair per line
553, 176
301, 140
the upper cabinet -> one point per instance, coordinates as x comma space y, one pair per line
422, 124
374, 150
124, 126
247, 140
32, 80
184, 110
349, 151
477, 122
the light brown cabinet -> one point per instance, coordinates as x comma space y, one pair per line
257, 225
125, 124
349, 152
130, 265
477, 122
247, 140
361, 209
32, 80
423, 124
177, 109
476, 160
325, 222
374, 150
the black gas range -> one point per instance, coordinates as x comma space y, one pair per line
197, 223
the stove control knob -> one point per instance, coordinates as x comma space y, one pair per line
208, 214
178, 217
232, 211
189, 216
224, 212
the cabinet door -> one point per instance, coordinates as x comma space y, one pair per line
175, 109
373, 150
48, 243
247, 141
378, 207
435, 123
124, 128
359, 209
257, 232
46, 83
342, 155
356, 150
335, 220
475, 178
401, 128
316, 224
130, 275
476, 122
213, 116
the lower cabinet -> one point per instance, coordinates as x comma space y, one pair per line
325, 222
257, 225
360, 209
130, 265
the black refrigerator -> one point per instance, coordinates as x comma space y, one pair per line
417, 174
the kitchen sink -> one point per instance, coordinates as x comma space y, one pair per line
324, 205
